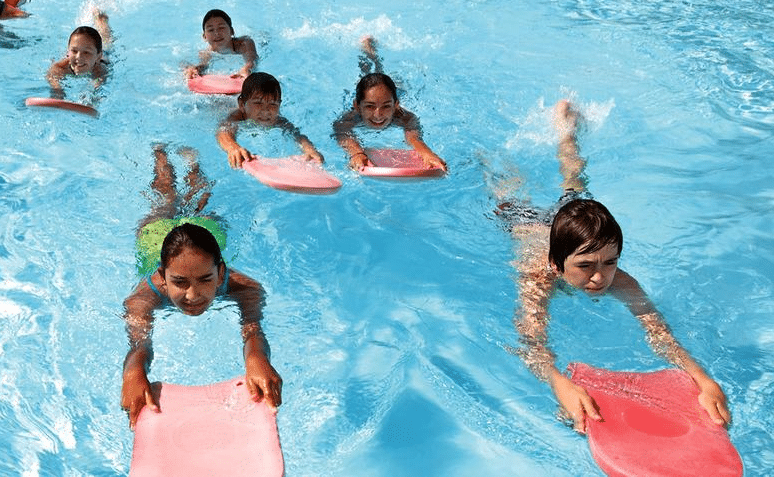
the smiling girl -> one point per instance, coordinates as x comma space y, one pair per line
84, 54
376, 106
180, 256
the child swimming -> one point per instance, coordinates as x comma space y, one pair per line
84, 54
581, 249
259, 103
376, 106
219, 35
187, 271
9, 9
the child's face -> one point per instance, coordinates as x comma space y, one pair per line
592, 272
82, 53
377, 107
192, 279
218, 34
264, 110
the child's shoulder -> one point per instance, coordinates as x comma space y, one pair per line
243, 43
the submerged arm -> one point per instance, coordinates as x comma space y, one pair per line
664, 344
413, 134
344, 134
246, 46
138, 315
56, 73
226, 137
263, 381
303, 142
536, 286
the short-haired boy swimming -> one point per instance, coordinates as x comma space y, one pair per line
219, 35
259, 103
581, 249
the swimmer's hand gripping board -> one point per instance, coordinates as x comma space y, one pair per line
398, 163
653, 425
213, 430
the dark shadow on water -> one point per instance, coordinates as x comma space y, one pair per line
416, 438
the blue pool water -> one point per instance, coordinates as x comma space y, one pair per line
390, 306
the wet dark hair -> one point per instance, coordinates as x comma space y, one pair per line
582, 226
189, 235
91, 33
262, 83
217, 14
374, 79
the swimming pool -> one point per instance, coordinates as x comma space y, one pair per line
389, 305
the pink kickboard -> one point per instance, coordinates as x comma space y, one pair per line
653, 425
62, 104
207, 431
292, 174
216, 84
398, 163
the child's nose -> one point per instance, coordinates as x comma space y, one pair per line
192, 293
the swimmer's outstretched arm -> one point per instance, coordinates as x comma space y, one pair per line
663, 342
536, 286
246, 47
54, 76
310, 152
138, 315
343, 132
431, 159
226, 137
263, 381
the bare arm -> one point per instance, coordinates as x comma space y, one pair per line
303, 142
343, 132
246, 47
56, 73
536, 286
413, 134
192, 71
226, 137
138, 314
663, 342
263, 381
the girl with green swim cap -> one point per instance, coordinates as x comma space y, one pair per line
190, 273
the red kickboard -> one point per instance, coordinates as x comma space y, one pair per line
216, 84
398, 163
653, 425
205, 431
292, 174
61, 104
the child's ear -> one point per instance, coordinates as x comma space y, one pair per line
554, 267
221, 273
161, 274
